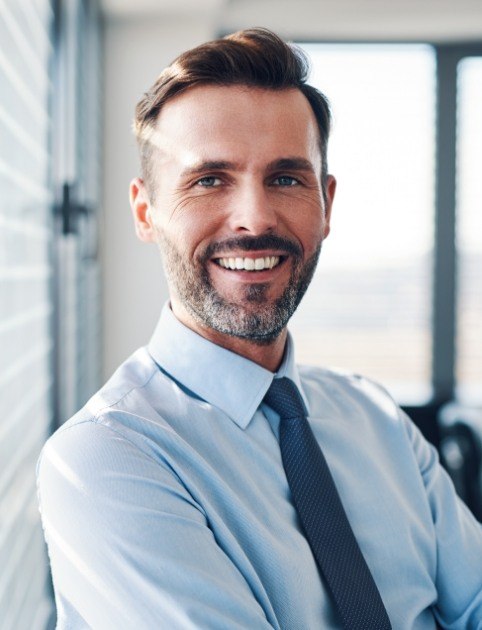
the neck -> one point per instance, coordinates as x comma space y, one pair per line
268, 356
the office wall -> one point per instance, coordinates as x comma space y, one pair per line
134, 287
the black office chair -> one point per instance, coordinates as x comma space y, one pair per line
461, 451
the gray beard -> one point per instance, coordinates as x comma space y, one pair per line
256, 318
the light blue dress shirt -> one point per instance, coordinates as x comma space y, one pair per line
165, 503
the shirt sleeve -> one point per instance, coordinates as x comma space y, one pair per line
128, 546
459, 542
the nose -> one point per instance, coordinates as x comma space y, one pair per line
252, 211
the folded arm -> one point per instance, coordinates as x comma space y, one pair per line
129, 547
459, 543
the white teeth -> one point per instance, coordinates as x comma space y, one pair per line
249, 264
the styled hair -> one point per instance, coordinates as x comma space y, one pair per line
253, 57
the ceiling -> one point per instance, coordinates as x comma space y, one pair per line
434, 20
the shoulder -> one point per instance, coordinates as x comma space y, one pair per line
122, 443
362, 408
344, 391
365, 407
128, 414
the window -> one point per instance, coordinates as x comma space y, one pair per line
369, 306
398, 292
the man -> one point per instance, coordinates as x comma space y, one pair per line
174, 499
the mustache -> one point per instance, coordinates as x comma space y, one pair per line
252, 243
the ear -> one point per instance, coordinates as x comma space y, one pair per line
330, 189
141, 211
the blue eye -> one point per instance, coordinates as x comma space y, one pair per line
209, 181
286, 180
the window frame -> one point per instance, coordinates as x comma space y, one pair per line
444, 299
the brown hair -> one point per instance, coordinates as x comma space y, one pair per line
253, 57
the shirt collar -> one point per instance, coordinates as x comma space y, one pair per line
220, 377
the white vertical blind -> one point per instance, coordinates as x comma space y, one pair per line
26, 343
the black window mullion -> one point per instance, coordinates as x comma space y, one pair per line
444, 288
445, 293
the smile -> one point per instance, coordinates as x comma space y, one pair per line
249, 264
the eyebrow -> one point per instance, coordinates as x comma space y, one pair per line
209, 165
291, 164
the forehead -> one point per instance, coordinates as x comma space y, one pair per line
237, 122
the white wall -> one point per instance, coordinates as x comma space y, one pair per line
134, 287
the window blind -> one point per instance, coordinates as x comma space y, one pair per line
26, 308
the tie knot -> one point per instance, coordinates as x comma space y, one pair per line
284, 397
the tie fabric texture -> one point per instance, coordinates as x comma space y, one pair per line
322, 515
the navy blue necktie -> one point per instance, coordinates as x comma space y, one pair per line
322, 515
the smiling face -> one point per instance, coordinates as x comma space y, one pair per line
238, 208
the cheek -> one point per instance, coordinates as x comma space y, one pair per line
307, 227
312, 241
190, 224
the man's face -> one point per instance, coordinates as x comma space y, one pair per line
238, 208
